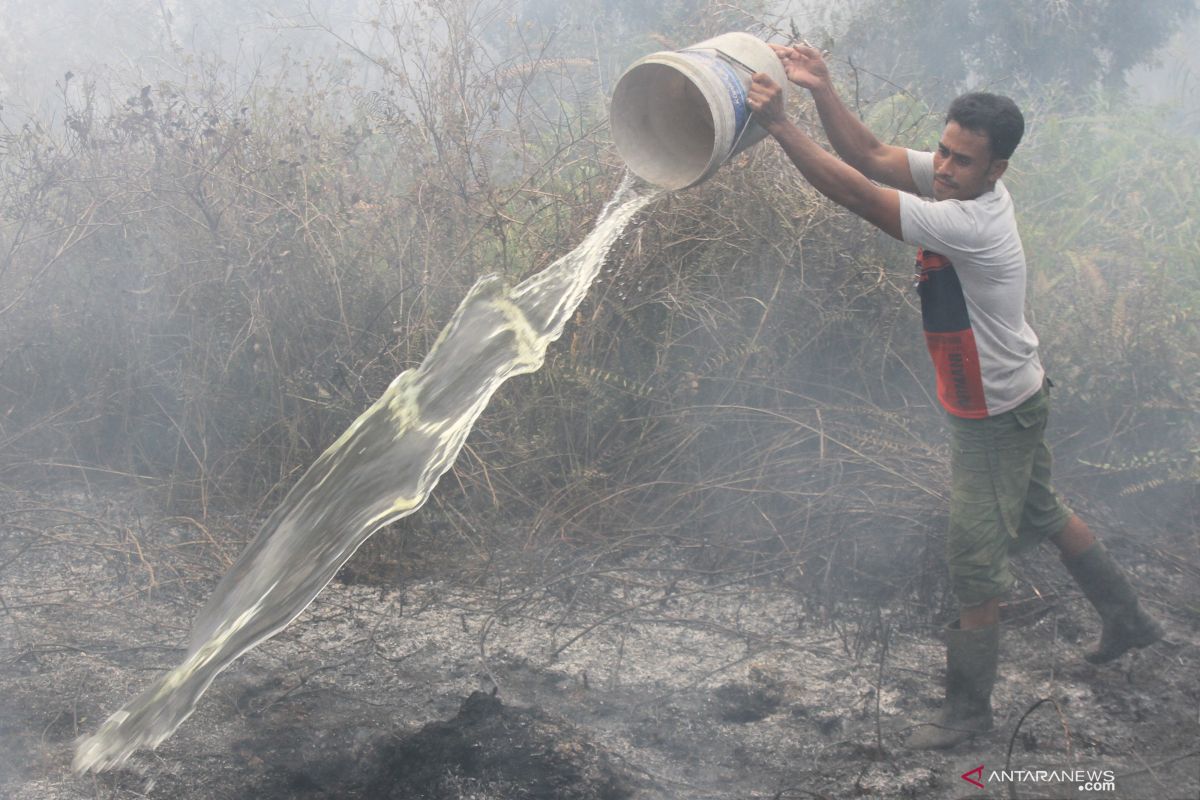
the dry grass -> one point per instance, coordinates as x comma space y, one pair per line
199, 290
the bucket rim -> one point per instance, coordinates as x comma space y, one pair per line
697, 74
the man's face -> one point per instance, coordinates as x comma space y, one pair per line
963, 167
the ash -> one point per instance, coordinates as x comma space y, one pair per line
578, 673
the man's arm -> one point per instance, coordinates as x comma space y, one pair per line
852, 140
837, 180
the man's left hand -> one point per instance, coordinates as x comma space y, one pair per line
765, 99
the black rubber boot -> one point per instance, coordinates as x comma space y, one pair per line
1126, 624
971, 658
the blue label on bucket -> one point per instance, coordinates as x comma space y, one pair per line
733, 85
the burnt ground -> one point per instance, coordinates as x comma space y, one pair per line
460, 676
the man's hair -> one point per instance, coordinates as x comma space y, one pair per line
994, 115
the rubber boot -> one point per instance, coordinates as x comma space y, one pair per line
971, 658
1126, 624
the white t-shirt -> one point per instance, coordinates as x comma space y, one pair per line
971, 279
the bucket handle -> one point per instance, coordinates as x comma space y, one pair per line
723, 55
737, 63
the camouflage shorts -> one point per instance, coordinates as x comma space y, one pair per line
1001, 500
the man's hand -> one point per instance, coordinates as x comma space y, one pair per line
837, 180
765, 99
804, 65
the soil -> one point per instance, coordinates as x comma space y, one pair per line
464, 676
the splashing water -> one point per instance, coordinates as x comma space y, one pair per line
382, 468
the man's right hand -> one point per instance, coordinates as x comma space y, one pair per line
804, 65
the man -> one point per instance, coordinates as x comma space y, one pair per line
971, 280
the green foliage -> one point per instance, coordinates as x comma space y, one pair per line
1108, 219
948, 46
204, 288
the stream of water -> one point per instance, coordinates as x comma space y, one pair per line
382, 468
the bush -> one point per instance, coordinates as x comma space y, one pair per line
203, 291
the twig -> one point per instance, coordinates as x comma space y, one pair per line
1012, 786
885, 635
1157, 764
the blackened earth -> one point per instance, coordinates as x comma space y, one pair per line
439, 672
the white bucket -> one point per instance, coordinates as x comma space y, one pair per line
678, 116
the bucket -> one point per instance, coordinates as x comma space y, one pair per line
677, 116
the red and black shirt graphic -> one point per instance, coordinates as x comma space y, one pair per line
949, 336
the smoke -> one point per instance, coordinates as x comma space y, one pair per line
125, 43
1172, 78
